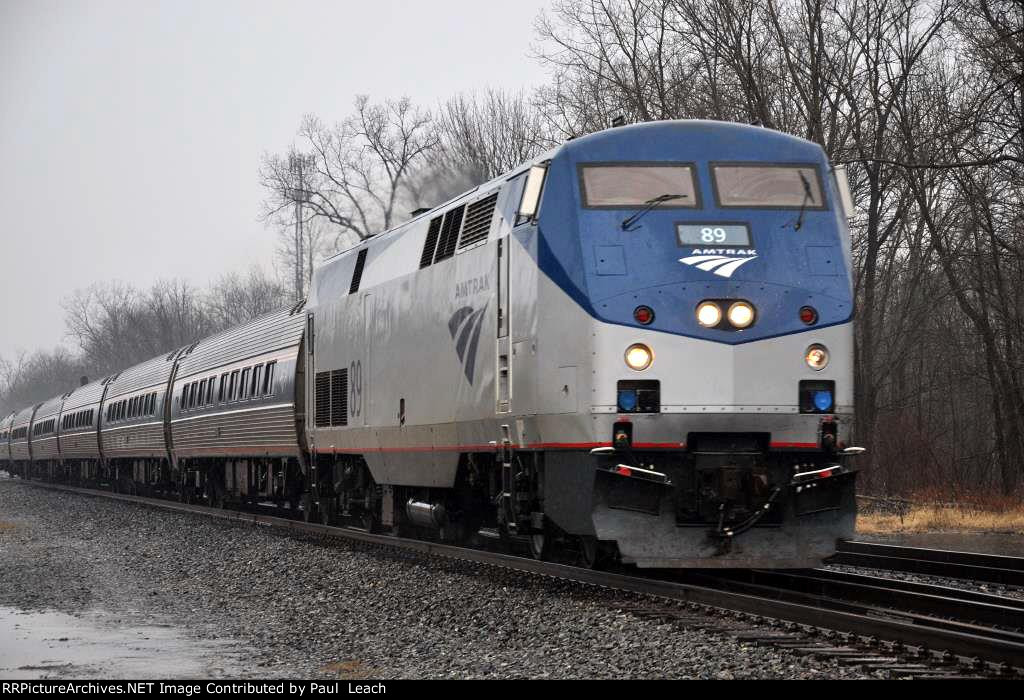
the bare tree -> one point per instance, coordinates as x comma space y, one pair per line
319, 241
235, 299
360, 167
487, 134
29, 379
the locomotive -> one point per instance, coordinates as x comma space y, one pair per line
636, 347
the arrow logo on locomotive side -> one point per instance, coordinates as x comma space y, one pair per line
465, 326
721, 265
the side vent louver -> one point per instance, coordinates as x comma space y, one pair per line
478, 221
357, 273
339, 397
431, 243
449, 233
332, 398
323, 399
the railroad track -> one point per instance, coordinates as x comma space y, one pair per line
988, 568
819, 613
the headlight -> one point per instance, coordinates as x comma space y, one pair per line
741, 314
817, 357
709, 314
639, 357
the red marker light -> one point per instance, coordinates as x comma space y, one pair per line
808, 315
624, 471
825, 474
644, 315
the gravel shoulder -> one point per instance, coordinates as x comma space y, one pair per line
279, 606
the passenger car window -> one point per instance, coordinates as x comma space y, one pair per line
268, 379
257, 374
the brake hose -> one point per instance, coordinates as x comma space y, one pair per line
731, 532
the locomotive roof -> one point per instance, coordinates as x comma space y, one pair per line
706, 139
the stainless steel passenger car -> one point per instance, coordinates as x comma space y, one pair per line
133, 432
79, 433
45, 441
21, 440
5, 441
234, 429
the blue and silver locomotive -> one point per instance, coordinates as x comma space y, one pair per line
637, 347
640, 343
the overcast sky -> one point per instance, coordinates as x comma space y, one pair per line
131, 131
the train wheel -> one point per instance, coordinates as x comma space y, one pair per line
327, 511
589, 552
542, 542
308, 509
369, 521
539, 546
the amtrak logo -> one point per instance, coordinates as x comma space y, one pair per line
722, 262
465, 325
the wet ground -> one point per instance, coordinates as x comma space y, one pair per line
98, 644
149, 593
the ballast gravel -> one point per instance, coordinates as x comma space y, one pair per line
995, 589
299, 608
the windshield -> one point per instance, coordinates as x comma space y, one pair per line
615, 186
784, 186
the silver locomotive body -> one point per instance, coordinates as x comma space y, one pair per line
471, 369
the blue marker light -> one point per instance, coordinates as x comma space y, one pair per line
627, 400
822, 400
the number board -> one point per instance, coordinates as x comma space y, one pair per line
736, 235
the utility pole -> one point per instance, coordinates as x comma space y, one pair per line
297, 164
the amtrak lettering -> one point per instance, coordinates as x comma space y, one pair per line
721, 261
464, 326
473, 286
737, 252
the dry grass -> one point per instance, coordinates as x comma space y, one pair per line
6, 526
932, 518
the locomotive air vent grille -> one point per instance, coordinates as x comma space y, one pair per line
332, 398
339, 397
323, 399
431, 243
478, 221
450, 233
357, 273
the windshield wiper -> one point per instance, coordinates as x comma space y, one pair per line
807, 197
648, 205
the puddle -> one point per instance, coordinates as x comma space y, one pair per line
55, 645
